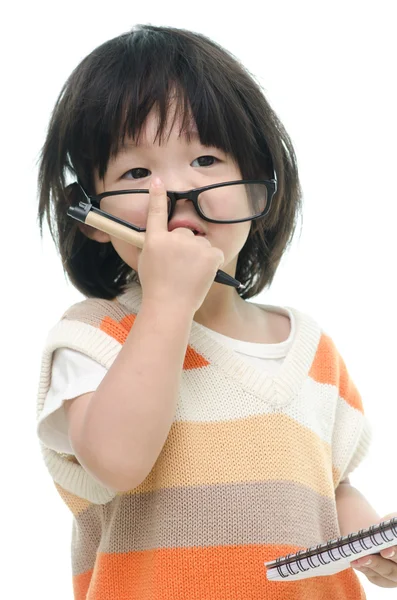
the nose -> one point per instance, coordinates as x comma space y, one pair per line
182, 201
182, 207
176, 184
178, 187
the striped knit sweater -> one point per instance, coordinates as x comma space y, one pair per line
248, 471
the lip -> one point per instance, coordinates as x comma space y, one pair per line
189, 223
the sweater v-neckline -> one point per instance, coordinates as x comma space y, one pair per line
276, 389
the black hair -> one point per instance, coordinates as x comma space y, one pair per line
110, 94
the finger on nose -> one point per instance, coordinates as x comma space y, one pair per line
156, 183
157, 217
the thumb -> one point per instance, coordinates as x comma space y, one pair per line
389, 516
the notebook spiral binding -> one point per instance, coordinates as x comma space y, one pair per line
337, 544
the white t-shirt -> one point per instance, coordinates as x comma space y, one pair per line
74, 374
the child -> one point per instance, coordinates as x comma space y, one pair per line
192, 434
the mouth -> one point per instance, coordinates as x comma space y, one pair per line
186, 223
195, 231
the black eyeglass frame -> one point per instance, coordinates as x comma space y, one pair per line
192, 195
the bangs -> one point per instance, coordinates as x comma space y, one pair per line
151, 69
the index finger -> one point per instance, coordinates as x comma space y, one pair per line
157, 218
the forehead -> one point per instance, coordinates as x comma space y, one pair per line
176, 127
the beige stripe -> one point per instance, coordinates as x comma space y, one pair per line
274, 512
255, 449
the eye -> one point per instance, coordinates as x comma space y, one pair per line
206, 156
138, 171
141, 173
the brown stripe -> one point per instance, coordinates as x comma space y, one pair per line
274, 512
86, 538
93, 310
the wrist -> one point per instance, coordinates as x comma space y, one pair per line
170, 307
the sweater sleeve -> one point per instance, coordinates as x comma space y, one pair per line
352, 432
64, 468
72, 374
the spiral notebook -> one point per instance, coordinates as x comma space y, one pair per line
333, 556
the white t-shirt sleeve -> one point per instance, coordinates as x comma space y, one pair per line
73, 374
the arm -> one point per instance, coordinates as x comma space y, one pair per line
118, 431
354, 511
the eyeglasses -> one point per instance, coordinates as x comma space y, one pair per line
227, 202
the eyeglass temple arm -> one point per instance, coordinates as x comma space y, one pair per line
86, 213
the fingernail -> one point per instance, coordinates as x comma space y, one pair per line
156, 182
367, 563
389, 554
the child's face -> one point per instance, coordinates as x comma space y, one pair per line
178, 164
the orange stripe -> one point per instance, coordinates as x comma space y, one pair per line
81, 583
231, 572
194, 360
347, 389
329, 367
119, 330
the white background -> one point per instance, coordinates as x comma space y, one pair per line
329, 71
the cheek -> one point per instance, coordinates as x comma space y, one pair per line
239, 234
231, 238
243, 235
127, 252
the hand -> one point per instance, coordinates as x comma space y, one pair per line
383, 569
175, 266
